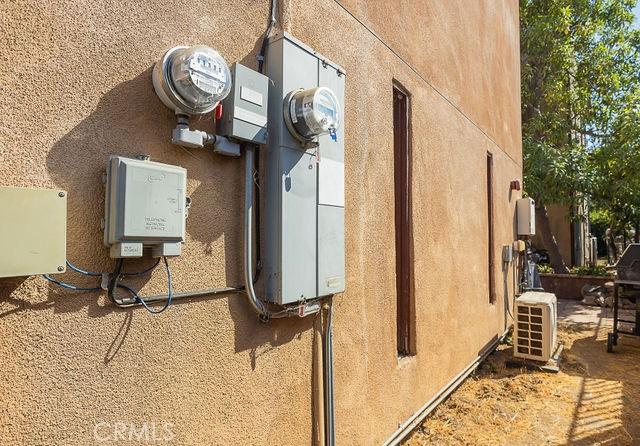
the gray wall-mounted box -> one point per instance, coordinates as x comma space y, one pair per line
33, 231
145, 206
526, 216
244, 110
304, 202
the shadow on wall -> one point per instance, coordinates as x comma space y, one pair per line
129, 120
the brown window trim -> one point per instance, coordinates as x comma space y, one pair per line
405, 316
490, 230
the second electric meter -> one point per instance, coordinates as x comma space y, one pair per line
312, 112
192, 80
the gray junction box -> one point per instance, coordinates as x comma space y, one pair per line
245, 108
304, 202
145, 206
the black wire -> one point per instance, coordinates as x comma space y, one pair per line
256, 212
113, 283
265, 39
169, 293
68, 285
140, 273
256, 181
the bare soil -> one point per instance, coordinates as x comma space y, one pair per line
593, 400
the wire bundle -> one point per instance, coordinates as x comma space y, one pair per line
114, 283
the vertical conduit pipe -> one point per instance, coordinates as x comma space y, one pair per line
330, 436
318, 382
258, 306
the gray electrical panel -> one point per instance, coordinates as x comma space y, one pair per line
145, 207
245, 108
304, 201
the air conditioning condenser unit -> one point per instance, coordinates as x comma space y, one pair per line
535, 335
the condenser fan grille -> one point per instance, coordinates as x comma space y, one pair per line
530, 326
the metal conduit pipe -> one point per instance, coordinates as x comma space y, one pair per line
330, 435
407, 427
318, 382
258, 305
132, 302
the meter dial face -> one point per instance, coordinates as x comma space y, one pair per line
200, 76
314, 112
326, 111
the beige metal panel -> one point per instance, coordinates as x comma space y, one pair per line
33, 231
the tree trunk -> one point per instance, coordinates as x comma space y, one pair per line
549, 241
612, 248
636, 235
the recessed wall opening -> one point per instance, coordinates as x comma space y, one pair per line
405, 316
490, 235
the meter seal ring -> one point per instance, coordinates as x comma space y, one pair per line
287, 117
165, 83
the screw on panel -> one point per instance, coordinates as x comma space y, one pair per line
61, 268
61, 194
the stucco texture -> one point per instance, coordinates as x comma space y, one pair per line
76, 87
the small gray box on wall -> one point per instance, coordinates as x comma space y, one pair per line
304, 201
244, 110
145, 206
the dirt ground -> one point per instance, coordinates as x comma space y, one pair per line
593, 400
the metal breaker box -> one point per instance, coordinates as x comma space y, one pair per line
304, 202
33, 231
144, 207
245, 108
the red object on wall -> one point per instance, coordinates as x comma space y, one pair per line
515, 185
218, 112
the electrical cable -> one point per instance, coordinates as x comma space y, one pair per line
124, 273
113, 283
261, 60
265, 39
68, 285
81, 271
169, 292
140, 273
256, 214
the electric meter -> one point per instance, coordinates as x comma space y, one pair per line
191, 80
311, 113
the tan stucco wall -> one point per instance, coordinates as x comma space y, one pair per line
76, 88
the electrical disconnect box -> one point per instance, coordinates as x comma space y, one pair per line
526, 216
304, 175
145, 206
33, 231
245, 108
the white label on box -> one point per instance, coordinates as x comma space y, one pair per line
250, 95
249, 116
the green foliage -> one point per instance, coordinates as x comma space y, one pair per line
578, 270
599, 221
545, 269
579, 63
589, 271
616, 189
